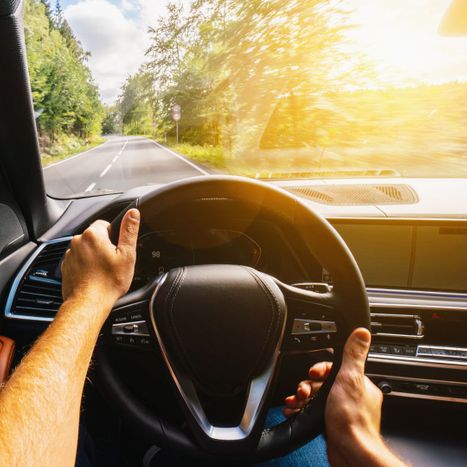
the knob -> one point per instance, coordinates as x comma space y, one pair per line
129, 328
385, 387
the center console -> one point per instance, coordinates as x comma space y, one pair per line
419, 345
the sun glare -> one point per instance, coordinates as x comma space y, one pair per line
401, 38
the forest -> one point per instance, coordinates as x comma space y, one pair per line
66, 100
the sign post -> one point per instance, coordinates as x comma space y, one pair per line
176, 115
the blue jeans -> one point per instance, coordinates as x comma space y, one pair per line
312, 454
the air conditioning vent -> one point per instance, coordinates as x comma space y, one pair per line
36, 292
396, 325
354, 195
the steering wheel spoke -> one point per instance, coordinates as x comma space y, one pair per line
198, 303
311, 320
128, 327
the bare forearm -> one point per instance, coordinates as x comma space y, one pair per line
40, 405
364, 451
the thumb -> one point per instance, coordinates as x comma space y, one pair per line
129, 230
356, 349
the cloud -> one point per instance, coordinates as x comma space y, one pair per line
128, 5
117, 43
115, 32
150, 10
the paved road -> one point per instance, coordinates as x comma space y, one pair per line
121, 163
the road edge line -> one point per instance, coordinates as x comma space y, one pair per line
179, 156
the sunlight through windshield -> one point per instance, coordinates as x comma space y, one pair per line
149, 92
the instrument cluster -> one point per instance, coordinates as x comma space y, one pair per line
158, 252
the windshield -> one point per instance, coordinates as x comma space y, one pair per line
136, 92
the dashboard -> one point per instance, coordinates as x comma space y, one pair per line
391, 254
415, 272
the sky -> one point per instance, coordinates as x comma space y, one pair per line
399, 36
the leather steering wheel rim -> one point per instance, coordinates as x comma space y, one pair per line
349, 299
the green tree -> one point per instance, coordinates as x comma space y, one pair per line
111, 123
135, 104
229, 63
61, 83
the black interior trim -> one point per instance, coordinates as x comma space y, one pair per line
19, 147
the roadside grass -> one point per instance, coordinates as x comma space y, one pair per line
336, 162
66, 146
211, 156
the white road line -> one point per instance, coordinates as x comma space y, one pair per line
179, 157
115, 158
76, 155
105, 170
90, 187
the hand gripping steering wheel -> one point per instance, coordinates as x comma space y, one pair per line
222, 329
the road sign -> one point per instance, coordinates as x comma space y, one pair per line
176, 112
176, 115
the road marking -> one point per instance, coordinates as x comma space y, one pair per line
76, 155
115, 158
122, 149
90, 187
179, 157
105, 170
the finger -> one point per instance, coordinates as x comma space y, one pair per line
293, 402
304, 391
320, 371
289, 412
99, 228
100, 225
356, 350
307, 392
129, 230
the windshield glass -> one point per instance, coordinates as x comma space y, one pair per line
136, 92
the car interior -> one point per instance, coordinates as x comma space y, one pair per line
296, 264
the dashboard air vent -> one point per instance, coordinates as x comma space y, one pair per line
354, 195
396, 325
36, 292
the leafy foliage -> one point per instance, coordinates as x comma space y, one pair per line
62, 85
213, 58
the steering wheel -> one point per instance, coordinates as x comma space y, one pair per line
222, 329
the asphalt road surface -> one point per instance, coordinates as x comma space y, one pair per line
119, 164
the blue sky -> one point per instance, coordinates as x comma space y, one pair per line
115, 32
400, 36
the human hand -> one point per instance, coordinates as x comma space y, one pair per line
307, 388
353, 408
96, 268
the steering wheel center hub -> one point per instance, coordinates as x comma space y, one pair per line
219, 324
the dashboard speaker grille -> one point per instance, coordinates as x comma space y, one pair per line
39, 293
353, 195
